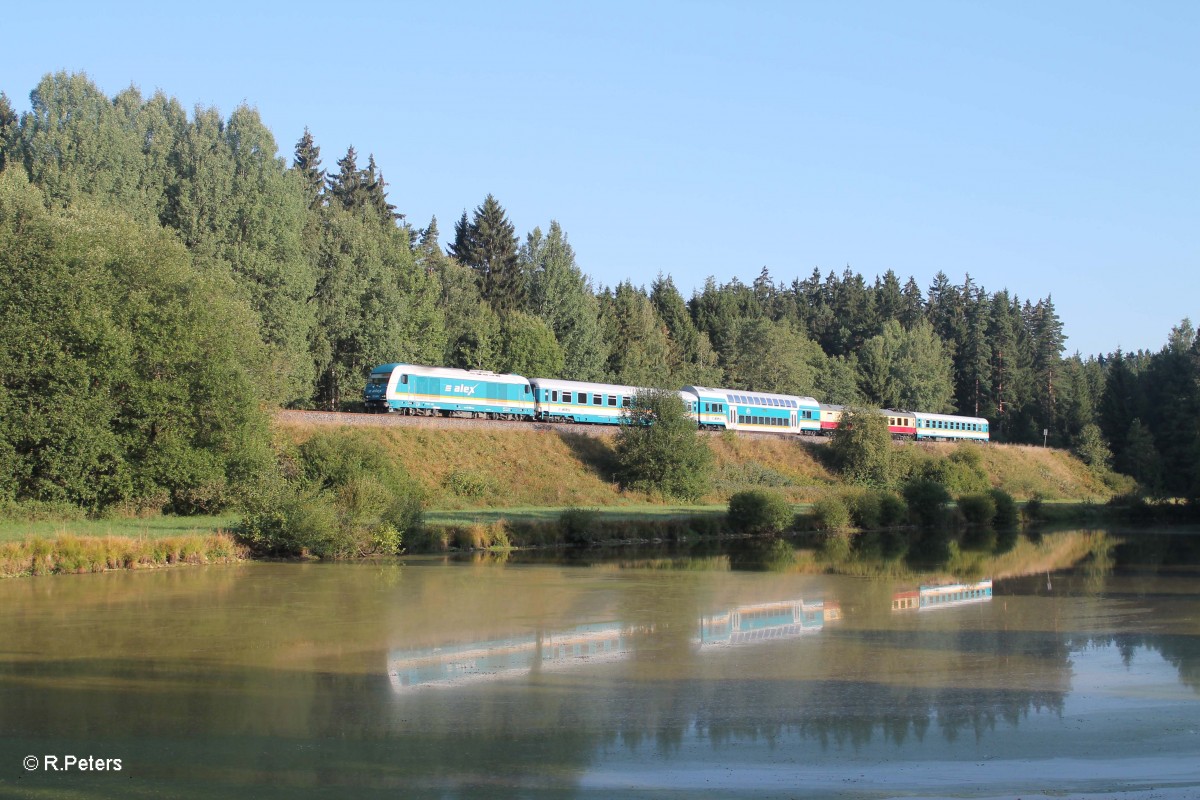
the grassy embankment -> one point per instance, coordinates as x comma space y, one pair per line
481, 485
477, 482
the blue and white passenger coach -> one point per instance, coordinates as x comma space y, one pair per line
444, 391
580, 401
764, 412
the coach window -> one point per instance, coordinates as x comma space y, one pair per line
554, 395
566, 397
612, 399
597, 400
624, 402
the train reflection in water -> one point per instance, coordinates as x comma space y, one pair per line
547, 651
931, 597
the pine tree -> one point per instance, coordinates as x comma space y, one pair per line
1046, 333
463, 246
692, 359
376, 194
347, 187
560, 294
307, 162
640, 348
973, 357
912, 307
428, 252
488, 244
8, 129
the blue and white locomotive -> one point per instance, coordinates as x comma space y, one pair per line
445, 391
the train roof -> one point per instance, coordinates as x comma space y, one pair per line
705, 392
453, 373
947, 417
584, 386
754, 398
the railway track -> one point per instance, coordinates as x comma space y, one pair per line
349, 418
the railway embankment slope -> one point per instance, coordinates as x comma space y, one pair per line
475, 465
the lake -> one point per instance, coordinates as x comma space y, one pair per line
1063, 665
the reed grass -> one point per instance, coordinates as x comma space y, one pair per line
71, 554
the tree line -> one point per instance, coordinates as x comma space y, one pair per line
282, 283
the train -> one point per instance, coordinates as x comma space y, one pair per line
413, 389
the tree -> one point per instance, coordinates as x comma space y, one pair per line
771, 356
376, 195
488, 244
347, 188
906, 369
1091, 448
640, 348
691, 359
125, 376
659, 450
307, 162
8, 129
560, 294
861, 447
528, 347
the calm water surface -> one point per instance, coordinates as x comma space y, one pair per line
745, 673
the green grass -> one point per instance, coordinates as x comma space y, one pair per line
148, 528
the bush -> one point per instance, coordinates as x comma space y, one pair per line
893, 510
861, 447
1006, 509
340, 495
925, 500
658, 449
977, 509
759, 512
1033, 508
865, 509
961, 473
832, 513
468, 483
580, 525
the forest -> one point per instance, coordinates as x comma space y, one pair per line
167, 279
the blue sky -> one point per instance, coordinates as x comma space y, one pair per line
1050, 148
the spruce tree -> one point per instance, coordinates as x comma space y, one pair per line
8, 129
375, 191
347, 187
307, 162
493, 256
561, 294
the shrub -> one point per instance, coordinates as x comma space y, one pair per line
1033, 508
469, 483
339, 496
1006, 509
580, 525
977, 509
925, 500
659, 450
861, 447
865, 509
961, 473
759, 512
892, 510
832, 513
